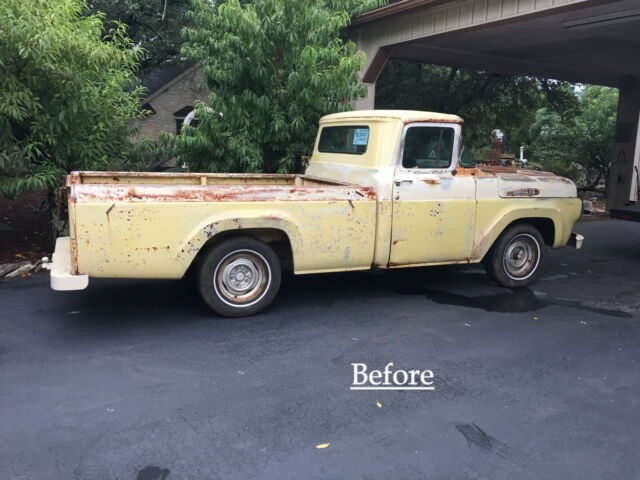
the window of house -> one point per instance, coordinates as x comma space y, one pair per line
180, 115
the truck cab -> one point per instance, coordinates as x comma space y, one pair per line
433, 208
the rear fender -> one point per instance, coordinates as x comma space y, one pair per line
209, 230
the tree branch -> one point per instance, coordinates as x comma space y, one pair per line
447, 84
475, 95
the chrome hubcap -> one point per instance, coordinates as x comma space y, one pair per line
521, 256
241, 276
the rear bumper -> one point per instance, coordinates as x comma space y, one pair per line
575, 240
61, 276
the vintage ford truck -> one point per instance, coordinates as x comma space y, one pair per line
383, 189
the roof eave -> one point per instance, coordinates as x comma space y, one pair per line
392, 10
172, 82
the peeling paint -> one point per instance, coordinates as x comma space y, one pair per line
87, 193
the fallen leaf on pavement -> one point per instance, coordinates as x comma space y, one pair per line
323, 445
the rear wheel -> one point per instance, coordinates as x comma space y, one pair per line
239, 276
515, 258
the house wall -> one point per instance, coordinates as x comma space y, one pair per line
186, 90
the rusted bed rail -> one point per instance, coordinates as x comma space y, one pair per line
188, 178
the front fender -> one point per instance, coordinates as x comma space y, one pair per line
488, 232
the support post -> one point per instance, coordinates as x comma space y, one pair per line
626, 154
376, 60
635, 174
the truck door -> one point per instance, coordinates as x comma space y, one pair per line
434, 201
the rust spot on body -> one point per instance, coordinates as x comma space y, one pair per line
466, 172
272, 218
431, 182
435, 119
132, 193
152, 249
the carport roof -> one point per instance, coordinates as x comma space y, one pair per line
589, 42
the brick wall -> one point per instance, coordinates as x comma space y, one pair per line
187, 90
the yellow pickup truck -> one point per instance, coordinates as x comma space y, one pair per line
383, 189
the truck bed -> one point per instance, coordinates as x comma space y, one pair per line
152, 225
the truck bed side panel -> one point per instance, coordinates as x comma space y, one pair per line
151, 231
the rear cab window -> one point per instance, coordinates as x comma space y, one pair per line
348, 139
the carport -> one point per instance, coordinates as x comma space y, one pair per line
582, 41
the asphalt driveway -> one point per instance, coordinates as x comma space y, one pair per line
138, 380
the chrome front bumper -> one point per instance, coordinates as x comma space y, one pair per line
60, 267
575, 240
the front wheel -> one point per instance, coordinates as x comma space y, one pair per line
239, 276
515, 258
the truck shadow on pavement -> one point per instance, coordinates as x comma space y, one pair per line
120, 303
509, 301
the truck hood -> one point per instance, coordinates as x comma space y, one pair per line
520, 183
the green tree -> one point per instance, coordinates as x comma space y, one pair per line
274, 68
486, 101
595, 131
153, 25
65, 98
552, 143
579, 146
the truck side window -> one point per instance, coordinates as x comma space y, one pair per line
348, 139
428, 147
466, 158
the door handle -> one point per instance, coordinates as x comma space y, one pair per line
400, 182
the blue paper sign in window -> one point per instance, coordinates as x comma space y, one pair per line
361, 136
